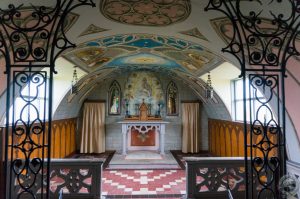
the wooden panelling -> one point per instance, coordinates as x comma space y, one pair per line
64, 135
63, 140
226, 139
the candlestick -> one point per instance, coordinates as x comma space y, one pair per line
126, 104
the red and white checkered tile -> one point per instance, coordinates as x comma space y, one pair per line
143, 182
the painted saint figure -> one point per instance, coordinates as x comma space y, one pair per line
114, 98
114, 105
172, 96
172, 103
146, 88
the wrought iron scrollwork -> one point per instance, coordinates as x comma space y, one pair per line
262, 41
26, 127
44, 39
266, 165
28, 47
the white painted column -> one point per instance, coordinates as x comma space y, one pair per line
124, 133
162, 138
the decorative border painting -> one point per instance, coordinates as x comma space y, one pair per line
146, 12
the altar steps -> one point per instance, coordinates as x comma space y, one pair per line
143, 160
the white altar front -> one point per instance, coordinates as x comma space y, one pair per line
143, 127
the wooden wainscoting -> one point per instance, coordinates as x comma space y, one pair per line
226, 139
63, 140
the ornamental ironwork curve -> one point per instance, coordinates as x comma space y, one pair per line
252, 41
26, 49
262, 41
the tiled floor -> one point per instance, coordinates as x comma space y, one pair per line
143, 183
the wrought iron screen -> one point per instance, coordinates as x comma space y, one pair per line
26, 124
263, 38
28, 48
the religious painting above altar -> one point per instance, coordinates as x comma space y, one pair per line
143, 87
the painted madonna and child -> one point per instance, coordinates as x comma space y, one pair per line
143, 97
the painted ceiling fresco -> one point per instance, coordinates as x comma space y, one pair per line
146, 12
147, 59
142, 50
92, 29
194, 32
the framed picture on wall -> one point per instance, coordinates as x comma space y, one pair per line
114, 99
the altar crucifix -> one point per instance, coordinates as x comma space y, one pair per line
143, 112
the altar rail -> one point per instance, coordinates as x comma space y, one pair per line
75, 178
226, 139
63, 139
211, 177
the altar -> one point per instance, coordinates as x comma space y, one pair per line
143, 128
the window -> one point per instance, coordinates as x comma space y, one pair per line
254, 108
31, 104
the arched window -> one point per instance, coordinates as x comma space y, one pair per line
114, 98
172, 99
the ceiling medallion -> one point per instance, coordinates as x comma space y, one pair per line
146, 12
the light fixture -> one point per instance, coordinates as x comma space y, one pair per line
74, 88
209, 91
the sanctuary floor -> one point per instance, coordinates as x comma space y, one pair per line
152, 176
132, 183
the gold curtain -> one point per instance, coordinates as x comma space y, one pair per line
93, 128
190, 127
